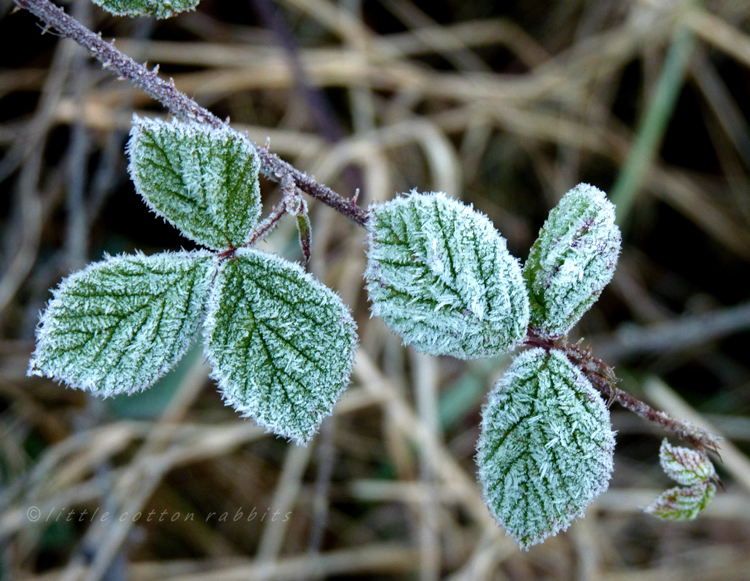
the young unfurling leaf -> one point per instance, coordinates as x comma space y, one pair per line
546, 446
692, 469
440, 275
572, 260
120, 324
158, 8
281, 344
684, 465
202, 180
683, 503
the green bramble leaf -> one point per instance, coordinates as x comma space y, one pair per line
684, 465
546, 446
120, 324
683, 503
573, 259
202, 180
281, 344
440, 275
157, 8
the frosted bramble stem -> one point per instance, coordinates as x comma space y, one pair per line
180, 104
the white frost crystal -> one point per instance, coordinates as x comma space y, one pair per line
120, 324
202, 180
281, 344
573, 259
158, 8
546, 446
440, 275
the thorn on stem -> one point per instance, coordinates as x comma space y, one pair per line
612, 396
288, 186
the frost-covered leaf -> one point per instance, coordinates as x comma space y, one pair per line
202, 180
440, 275
684, 465
158, 8
281, 344
683, 503
572, 260
546, 446
122, 323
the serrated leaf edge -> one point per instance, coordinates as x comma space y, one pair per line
689, 461
223, 382
138, 124
45, 321
702, 491
373, 277
606, 213
599, 487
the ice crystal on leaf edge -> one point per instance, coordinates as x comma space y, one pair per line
281, 344
120, 324
546, 446
157, 8
440, 276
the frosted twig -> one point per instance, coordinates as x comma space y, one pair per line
178, 103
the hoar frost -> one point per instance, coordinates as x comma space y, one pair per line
120, 324
573, 259
281, 344
546, 446
203, 180
440, 275
157, 8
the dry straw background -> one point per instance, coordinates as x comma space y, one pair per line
505, 105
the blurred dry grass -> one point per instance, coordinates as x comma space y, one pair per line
506, 106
